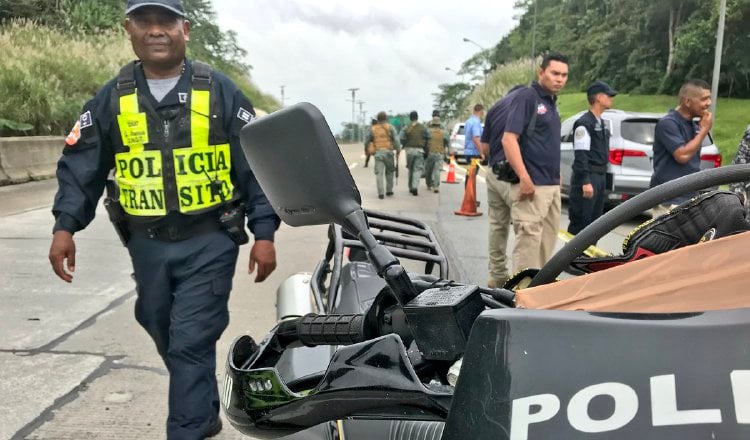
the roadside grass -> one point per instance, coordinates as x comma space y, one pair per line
730, 122
46, 75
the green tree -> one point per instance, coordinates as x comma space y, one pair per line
640, 46
450, 99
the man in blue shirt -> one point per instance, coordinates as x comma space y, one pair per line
678, 139
473, 133
535, 157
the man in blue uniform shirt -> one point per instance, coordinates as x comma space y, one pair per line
498, 190
169, 128
678, 139
591, 148
534, 155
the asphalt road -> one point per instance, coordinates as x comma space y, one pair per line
74, 364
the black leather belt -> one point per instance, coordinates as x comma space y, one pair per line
172, 233
599, 169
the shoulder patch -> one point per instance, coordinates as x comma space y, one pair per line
74, 135
581, 139
86, 120
245, 115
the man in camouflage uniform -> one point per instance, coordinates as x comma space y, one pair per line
384, 136
414, 137
437, 145
742, 157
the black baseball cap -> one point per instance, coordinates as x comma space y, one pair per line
600, 87
174, 6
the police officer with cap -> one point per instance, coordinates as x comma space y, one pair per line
591, 149
181, 193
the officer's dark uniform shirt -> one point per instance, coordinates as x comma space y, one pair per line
494, 125
86, 162
672, 132
541, 150
591, 156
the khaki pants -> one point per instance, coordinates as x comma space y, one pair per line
661, 209
535, 223
498, 198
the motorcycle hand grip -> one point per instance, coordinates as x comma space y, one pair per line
315, 329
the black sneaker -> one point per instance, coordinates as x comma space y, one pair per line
381, 196
213, 429
389, 194
414, 192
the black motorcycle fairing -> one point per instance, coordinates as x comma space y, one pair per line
392, 429
372, 379
544, 374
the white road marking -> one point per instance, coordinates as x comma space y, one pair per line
353, 166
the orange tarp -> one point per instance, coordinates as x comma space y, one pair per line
707, 276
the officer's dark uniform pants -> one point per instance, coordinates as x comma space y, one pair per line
183, 289
582, 212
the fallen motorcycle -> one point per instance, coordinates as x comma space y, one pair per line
366, 349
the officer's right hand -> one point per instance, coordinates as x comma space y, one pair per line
63, 249
588, 191
707, 120
527, 188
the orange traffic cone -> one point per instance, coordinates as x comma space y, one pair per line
469, 205
451, 177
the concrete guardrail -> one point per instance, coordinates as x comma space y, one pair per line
29, 158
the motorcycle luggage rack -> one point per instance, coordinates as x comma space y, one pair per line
404, 237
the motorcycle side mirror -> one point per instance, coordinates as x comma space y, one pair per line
304, 175
300, 167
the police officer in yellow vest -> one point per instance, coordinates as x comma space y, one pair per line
385, 139
437, 145
169, 128
414, 138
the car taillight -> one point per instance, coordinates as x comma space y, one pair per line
715, 158
617, 154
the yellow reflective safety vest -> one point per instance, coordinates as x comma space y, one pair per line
159, 168
437, 139
381, 136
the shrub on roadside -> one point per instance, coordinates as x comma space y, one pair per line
46, 75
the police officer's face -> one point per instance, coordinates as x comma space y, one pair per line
158, 36
604, 100
554, 77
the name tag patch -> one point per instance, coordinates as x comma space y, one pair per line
134, 128
86, 119
245, 115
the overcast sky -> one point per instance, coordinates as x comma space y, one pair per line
394, 51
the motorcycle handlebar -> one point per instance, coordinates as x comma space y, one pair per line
315, 329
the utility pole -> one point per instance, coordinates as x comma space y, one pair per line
360, 131
533, 43
282, 96
354, 101
717, 56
